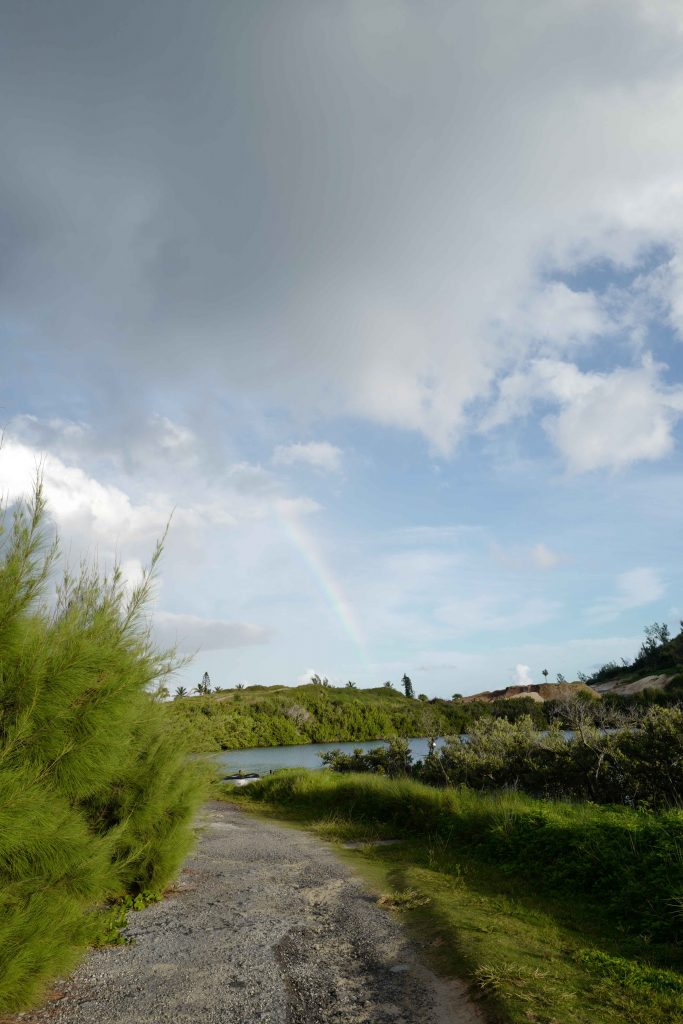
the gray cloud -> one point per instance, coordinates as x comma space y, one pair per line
319, 454
191, 633
346, 204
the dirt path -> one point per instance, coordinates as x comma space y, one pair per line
267, 925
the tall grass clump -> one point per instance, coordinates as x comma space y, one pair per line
96, 792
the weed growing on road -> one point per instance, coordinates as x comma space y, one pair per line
405, 899
112, 922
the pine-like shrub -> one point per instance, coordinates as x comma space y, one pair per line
96, 791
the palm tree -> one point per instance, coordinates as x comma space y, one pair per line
180, 691
351, 686
545, 673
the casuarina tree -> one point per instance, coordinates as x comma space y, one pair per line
408, 686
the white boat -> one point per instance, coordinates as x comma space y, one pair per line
242, 778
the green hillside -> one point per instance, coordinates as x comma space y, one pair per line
660, 654
266, 716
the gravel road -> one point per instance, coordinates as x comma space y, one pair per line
266, 925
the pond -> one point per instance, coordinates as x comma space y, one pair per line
304, 755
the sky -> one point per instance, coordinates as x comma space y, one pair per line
383, 301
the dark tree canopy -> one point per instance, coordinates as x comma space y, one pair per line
407, 684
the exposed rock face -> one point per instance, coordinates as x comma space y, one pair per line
539, 692
621, 687
298, 714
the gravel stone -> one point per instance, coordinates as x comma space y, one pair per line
265, 925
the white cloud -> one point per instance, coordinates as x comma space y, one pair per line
191, 633
146, 443
608, 421
307, 676
78, 502
605, 420
45, 433
522, 676
635, 588
173, 436
557, 318
482, 613
320, 454
539, 556
544, 557
132, 571
101, 512
226, 527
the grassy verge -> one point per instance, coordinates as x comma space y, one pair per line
537, 945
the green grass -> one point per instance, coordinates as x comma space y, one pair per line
537, 944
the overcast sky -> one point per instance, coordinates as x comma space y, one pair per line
384, 298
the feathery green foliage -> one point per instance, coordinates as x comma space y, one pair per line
96, 794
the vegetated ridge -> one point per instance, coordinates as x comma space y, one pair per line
268, 716
658, 665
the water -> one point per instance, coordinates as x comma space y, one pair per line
304, 755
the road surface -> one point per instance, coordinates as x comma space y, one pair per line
266, 926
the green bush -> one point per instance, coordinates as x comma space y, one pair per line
639, 765
96, 793
394, 760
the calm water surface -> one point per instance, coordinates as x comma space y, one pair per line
305, 755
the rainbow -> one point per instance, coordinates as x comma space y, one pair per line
330, 586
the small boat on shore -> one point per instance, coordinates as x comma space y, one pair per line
242, 778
